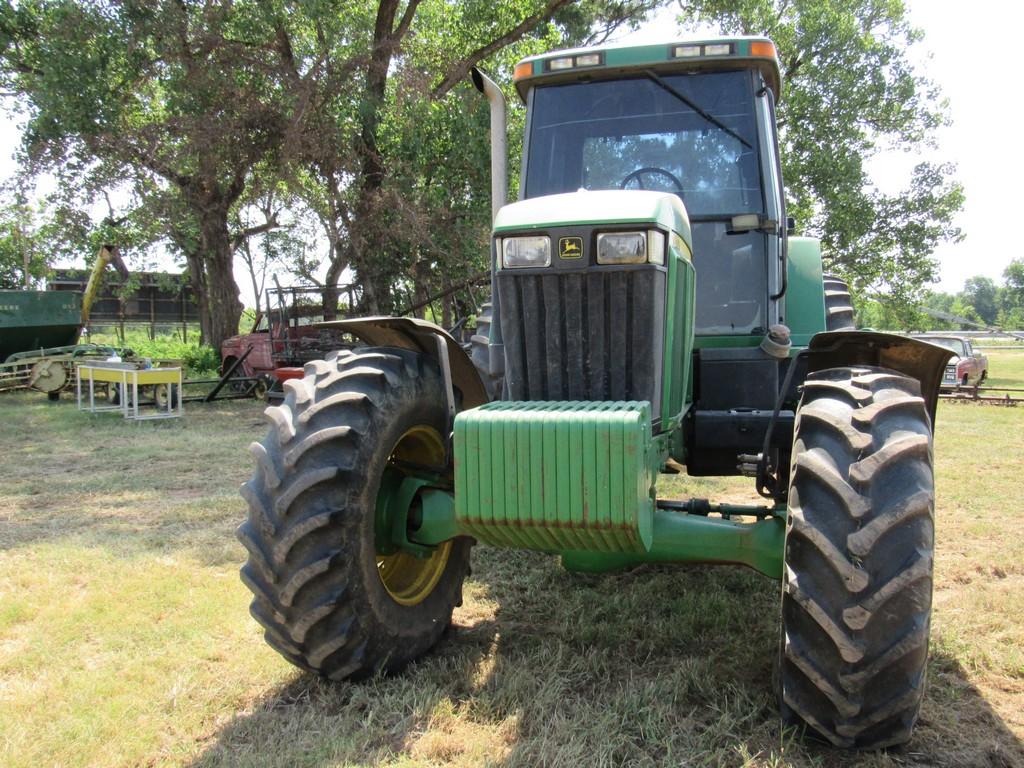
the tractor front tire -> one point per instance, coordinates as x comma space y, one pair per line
857, 587
328, 602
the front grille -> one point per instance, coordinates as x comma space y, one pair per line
584, 335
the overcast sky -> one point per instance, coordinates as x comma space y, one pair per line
974, 62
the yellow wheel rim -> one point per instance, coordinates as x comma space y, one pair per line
409, 579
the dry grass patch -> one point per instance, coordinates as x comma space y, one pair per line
124, 636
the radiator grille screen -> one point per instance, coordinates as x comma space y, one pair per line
584, 335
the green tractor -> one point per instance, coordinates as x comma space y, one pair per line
651, 312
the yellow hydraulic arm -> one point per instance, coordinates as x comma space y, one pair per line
108, 255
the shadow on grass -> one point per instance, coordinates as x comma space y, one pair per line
958, 725
653, 667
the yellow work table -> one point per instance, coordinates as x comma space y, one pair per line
129, 378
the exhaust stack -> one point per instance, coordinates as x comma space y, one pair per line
499, 140
499, 189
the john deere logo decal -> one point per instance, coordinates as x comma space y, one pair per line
570, 247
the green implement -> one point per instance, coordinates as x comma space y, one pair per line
32, 320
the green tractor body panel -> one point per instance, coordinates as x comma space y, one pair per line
31, 320
556, 476
594, 208
679, 340
805, 301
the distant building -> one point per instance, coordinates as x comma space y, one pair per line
160, 297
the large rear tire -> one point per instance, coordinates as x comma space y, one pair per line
480, 351
857, 589
328, 602
838, 304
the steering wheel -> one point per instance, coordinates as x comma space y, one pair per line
652, 170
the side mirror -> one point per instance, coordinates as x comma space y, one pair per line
749, 222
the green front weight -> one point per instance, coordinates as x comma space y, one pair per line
556, 476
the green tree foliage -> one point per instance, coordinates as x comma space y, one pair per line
22, 260
348, 101
981, 294
396, 169
56, 229
981, 302
180, 99
1013, 277
849, 91
1011, 296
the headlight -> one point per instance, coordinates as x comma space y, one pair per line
526, 251
622, 248
631, 247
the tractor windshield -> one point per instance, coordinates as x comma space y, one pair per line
637, 134
953, 345
694, 135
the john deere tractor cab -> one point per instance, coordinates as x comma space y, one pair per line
650, 313
692, 126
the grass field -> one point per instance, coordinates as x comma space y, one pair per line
1006, 369
125, 638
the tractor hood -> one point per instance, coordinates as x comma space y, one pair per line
598, 207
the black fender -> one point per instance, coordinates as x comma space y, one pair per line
917, 359
420, 336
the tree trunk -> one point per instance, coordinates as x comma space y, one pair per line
330, 303
364, 231
337, 266
420, 286
375, 290
447, 320
197, 279
223, 306
250, 263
